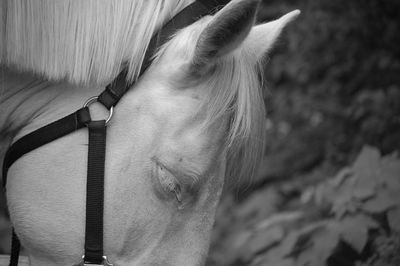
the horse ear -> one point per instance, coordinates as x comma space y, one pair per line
225, 32
263, 37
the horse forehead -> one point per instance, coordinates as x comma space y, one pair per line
167, 103
170, 119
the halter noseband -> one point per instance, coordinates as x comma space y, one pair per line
93, 254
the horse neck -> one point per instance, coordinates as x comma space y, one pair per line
28, 102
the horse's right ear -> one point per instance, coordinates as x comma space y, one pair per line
225, 32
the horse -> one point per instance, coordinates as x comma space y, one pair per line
194, 119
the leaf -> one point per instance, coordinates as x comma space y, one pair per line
326, 192
303, 239
262, 240
364, 193
366, 167
279, 219
276, 254
324, 242
286, 245
367, 162
379, 204
260, 204
341, 176
390, 171
393, 216
343, 198
354, 231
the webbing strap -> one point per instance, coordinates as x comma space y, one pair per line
95, 192
44, 135
15, 247
114, 91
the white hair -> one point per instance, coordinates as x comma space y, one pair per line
235, 91
81, 41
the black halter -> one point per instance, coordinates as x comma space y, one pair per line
93, 254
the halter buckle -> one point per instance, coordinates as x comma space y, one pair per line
104, 263
94, 99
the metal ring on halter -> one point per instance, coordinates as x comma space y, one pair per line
93, 100
104, 263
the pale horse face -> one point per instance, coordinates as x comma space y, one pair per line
166, 157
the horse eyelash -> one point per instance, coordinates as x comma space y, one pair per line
177, 192
173, 186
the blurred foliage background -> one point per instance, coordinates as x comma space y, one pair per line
333, 83
332, 87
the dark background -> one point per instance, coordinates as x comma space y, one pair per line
333, 87
333, 83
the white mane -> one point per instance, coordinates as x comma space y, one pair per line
81, 41
237, 90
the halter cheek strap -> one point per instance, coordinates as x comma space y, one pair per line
93, 254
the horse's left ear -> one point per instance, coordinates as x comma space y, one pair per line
263, 37
225, 32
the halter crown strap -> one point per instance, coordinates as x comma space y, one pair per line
97, 136
115, 90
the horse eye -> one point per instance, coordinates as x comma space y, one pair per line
169, 183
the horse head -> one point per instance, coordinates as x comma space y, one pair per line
195, 118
